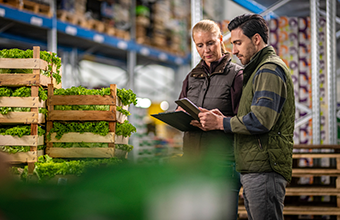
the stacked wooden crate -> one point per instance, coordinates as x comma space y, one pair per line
112, 117
32, 6
33, 118
312, 209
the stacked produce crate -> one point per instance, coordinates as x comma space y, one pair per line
24, 77
68, 126
85, 128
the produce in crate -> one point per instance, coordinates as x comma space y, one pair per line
17, 131
48, 167
50, 58
89, 122
23, 76
20, 92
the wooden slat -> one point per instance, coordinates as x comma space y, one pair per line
80, 152
112, 124
337, 184
302, 210
23, 63
28, 102
50, 108
81, 100
316, 146
121, 140
60, 115
27, 140
23, 79
316, 155
315, 172
22, 117
312, 191
315, 191
25, 157
35, 94
85, 137
88, 137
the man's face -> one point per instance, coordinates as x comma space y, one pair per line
243, 47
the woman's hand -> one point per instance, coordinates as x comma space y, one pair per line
197, 124
179, 108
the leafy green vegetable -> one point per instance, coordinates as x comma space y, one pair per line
43, 111
123, 111
125, 129
44, 55
101, 128
81, 91
21, 92
80, 144
127, 96
47, 167
17, 149
19, 130
124, 147
5, 92
14, 170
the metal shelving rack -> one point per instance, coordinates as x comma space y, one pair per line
53, 34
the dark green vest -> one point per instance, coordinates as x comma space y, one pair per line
271, 151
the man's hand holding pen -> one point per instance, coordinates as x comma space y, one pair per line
209, 120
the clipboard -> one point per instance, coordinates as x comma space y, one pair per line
189, 107
179, 120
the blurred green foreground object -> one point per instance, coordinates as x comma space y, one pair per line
181, 190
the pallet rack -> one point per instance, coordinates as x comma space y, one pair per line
303, 190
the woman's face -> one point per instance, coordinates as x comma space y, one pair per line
208, 46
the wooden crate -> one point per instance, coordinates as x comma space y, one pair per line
112, 116
34, 118
73, 18
27, 140
31, 6
312, 190
96, 25
85, 152
22, 117
34, 79
29, 157
122, 34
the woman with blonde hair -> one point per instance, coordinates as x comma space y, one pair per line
215, 83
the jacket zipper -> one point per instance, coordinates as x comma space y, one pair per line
260, 143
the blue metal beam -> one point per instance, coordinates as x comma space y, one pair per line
253, 6
73, 30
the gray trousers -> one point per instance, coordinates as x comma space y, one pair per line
264, 194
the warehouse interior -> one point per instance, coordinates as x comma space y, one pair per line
146, 46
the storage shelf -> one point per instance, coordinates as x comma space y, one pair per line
34, 27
